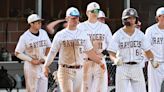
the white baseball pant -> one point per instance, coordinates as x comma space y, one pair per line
130, 73
155, 77
35, 79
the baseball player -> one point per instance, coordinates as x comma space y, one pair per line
71, 43
32, 48
101, 16
155, 36
138, 25
100, 35
126, 52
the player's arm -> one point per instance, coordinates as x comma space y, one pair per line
147, 49
51, 55
47, 51
50, 26
113, 47
117, 60
95, 57
112, 55
150, 57
25, 57
51, 52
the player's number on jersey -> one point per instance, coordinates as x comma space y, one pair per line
80, 50
138, 52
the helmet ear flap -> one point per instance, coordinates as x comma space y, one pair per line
125, 22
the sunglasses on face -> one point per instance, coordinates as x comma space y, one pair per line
95, 11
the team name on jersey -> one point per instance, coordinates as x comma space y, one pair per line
71, 43
130, 44
157, 40
97, 36
37, 44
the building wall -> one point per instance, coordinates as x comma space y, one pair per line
10, 31
146, 10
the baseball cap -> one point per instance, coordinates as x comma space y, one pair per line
101, 14
160, 11
72, 11
33, 18
93, 6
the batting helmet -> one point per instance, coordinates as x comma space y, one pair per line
129, 12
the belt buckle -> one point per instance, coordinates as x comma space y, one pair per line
78, 66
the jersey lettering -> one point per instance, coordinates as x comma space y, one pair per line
71, 43
97, 40
37, 44
157, 40
97, 36
130, 44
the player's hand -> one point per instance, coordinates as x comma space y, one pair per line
42, 61
45, 71
155, 64
118, 62
102, 65
35, 62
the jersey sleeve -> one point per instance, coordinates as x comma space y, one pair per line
146, 44
20, 45
114, 43
108, 38
53, 50
56, 43
148, 35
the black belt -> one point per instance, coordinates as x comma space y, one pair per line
131, 63
70, 66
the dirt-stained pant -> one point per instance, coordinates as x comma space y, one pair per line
70, 80
95, 80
